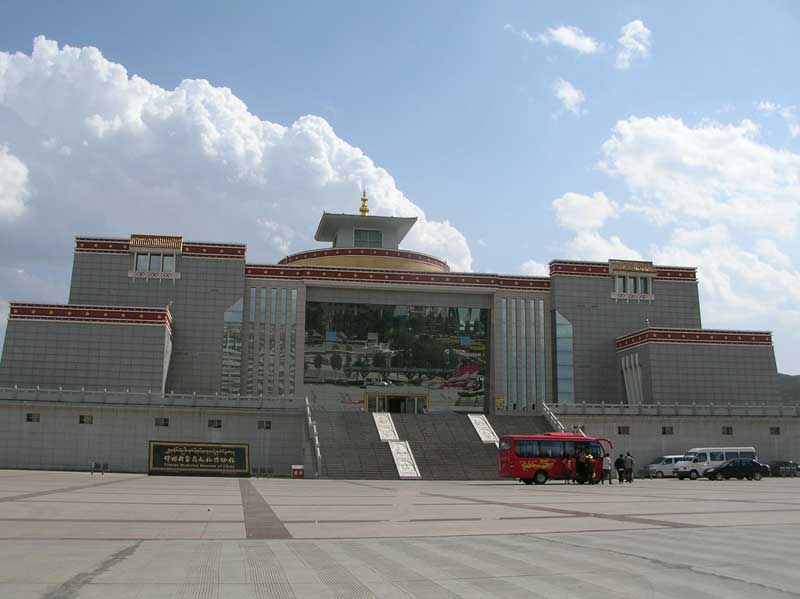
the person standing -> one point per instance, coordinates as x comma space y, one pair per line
606, 469
569, 465
629, 464
619, 465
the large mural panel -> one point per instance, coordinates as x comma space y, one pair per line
398, 358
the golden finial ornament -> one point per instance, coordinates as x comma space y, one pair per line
364, 210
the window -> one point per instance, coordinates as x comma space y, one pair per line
264, 425
32, 417
731, 455
162, 421
363, 238
620, 286
644, 286
774, 430
623, 430
727, 430
667, 430
152, 262
565, 376
632, 286
551, 449
526, 449
750, 455
215, 423
717, 456
86, 419
701, 457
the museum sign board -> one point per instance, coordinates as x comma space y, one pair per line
201, 459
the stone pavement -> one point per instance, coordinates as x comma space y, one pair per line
67, 535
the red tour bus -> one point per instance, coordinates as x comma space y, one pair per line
539, 458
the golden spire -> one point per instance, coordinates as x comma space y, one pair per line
364, 210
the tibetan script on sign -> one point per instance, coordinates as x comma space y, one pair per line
630, 266
202, 459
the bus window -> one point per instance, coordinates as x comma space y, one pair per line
526, 448
505, 445
731, 455
569, 448
551, 449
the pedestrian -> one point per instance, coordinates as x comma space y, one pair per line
590, 469
619, 465
606, 469
569, 465
629, 464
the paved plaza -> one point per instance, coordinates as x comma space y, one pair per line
71, 535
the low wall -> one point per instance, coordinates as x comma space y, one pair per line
121, 428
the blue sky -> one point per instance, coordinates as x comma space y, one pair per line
457, 102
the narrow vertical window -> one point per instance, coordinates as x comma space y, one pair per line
504, 345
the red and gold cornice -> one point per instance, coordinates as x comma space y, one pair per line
367, 258
101, 314
197, 249
704, 336
601, 269
397, 277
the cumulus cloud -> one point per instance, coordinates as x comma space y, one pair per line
108, 153
713, 173
634, 42
519, 32
571, 97
14, 189
532, 268
579, 212
569, 37
787, 113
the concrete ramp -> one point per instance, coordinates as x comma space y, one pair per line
404, 460
484, 429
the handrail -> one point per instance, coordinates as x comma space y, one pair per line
314, 438
553, 419
762, 409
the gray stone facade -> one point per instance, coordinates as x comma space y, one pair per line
89, 355
197, 301
688, 373
597, 321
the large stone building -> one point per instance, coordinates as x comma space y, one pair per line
365, 326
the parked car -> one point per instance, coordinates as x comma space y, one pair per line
784, 468
663, 466
698, 459
739, 468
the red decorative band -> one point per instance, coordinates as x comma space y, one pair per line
397, 277
404, 254
79, 313
214, 250
600, 269
694, 336
105, 246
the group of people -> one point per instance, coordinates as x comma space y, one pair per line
582, 468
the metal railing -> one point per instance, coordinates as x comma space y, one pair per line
150, 399
553, 419
313, 437
604, 409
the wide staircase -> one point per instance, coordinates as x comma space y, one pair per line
351, 448
446, 447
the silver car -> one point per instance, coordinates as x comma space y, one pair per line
663, 466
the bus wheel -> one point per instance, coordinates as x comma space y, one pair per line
694, 475
540, 478
527, 481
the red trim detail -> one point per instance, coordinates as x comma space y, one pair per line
81, 313
214, 250
403, 277
600, 269
404, 254
105, 246
706, 336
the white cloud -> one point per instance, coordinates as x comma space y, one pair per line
569, 37
571, 97
709, 173
591, 245
767, 106
191, 160
635, 42
579, 212
532, 268
14, 189
519, 32
787, 113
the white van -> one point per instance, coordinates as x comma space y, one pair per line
697, 459
664, 466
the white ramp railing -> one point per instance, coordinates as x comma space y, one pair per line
553, 419
385, 426
404, 460
401, 451
484, 428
